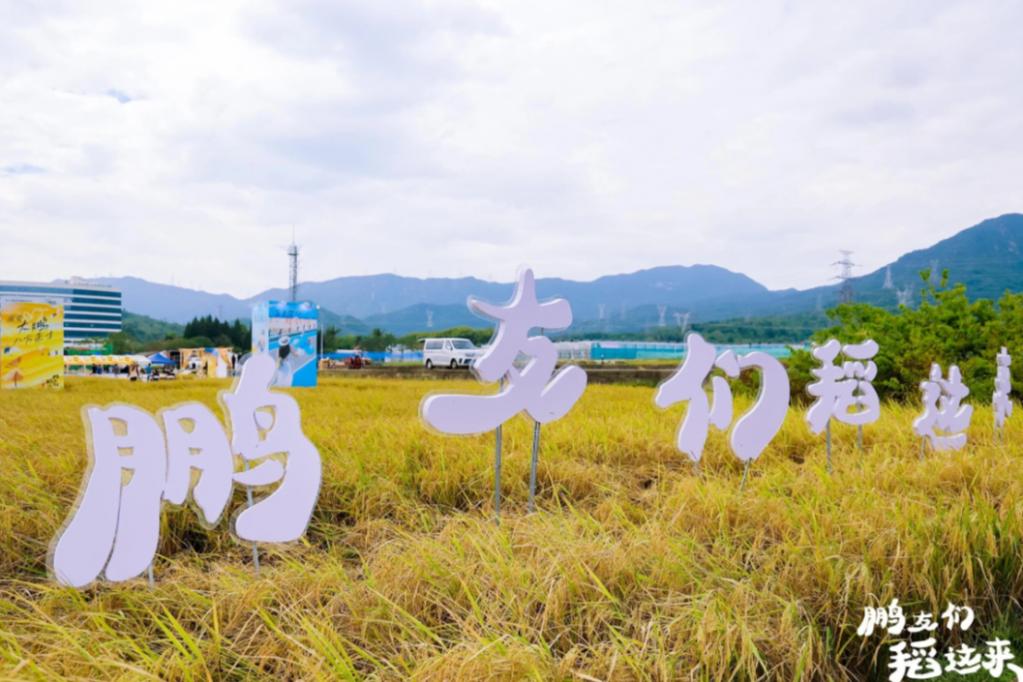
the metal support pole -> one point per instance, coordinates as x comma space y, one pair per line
255, 549
532, 466
859, 437
745, 474
152, 580
827, 440
923, 445
497, 466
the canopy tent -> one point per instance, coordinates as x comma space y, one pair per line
161, 360
103, 360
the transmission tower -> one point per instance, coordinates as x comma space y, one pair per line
845, 291
661, 310
682, 320
429, 319
904, 295
888, 284
293, 269
601, 309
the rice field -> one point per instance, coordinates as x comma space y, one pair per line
636, 566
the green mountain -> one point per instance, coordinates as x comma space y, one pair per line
145, 328
987, 258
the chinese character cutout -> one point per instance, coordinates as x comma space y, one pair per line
945, 420
535, 388
196, 440
114, 529
845, 393
265, 425
755, 429
1001, 403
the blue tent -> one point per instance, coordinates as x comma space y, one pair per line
161, 359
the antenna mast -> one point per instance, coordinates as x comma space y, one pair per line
293, 270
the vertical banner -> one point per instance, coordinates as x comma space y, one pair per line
286, 330
31, 343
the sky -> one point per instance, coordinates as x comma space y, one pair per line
185, 142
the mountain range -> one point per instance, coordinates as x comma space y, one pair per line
986, 257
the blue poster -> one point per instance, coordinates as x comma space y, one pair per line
287, 331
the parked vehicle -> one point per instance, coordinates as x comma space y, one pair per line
450, 352
357, 361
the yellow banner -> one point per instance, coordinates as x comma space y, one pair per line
31, 344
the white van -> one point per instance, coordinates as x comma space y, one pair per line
451, 353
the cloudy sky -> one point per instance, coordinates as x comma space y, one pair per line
182, 142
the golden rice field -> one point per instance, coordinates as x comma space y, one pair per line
635, 567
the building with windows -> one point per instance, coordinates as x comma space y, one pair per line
91, 311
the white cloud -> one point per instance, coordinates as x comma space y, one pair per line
185, 142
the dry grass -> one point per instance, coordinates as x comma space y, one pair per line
636, 567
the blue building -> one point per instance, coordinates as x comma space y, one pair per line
91, 311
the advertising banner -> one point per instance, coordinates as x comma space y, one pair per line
31, 343
208, 362
287, 331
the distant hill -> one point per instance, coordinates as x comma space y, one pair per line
174, 304
988, 258
394, 303
144, 328
376, 296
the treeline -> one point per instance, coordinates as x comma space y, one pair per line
143, 334
794, 328
219, 332
946, 327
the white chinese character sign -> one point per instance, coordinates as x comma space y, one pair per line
755, 429
1001, 402
945, 420
845, 392
114, 529
545, 395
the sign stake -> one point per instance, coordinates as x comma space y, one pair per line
859, 437
533, 465
745, 474
827, 441
255, 549
497, 465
